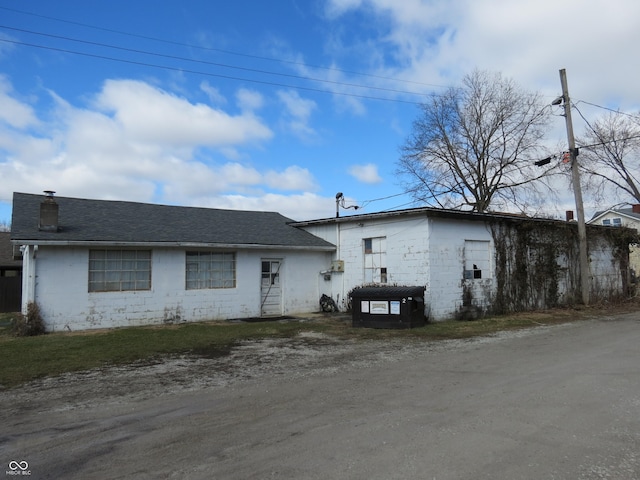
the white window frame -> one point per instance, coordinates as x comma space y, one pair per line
375, 259
113, 270
210, 270
477, 260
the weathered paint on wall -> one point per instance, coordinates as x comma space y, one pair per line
167, 301
629, 222
537, 264
406, 255
450, 292
528, 265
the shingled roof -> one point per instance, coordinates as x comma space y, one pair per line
6, 252
107, 221
631, 212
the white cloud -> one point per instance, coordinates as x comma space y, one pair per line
292, 178
365, 173
148, 114
213, 93
12, 111
298, 113
249, 100
139, 143
303, 206
437, 42
6, 47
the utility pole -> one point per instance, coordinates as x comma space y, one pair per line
585, 283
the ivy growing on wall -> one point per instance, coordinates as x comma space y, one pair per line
536, 263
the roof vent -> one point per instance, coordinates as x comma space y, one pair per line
48, 213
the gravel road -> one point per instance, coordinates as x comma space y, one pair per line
559, 402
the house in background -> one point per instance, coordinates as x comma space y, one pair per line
471, 263
622, 217
10, 276
102, 264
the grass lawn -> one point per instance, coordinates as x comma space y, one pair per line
27, 358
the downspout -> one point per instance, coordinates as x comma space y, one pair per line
29, 255
338, 257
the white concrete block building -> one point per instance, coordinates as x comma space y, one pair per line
102, 264
470, 263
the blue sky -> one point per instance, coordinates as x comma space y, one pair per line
273, 105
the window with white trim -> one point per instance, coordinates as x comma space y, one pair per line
616, 222
477, 259
375, 260
119, 270
210, 270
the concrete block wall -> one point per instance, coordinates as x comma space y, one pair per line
61, 290
447, 258
420, 251
606, 277
406, 256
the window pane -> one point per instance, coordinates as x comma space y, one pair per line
375, 260
368, 245
212, 270
477, 255
119, 270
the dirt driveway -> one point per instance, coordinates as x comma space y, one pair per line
558, 402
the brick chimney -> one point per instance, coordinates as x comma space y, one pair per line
635, 208
48, 213
569, 214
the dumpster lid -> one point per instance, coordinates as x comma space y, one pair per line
387, 292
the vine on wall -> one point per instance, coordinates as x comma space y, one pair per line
536, 263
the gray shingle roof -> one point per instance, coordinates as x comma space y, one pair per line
82, 220
6, 252
622, 211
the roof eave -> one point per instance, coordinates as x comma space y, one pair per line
615, 212
124, 244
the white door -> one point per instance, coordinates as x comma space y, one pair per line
270, 288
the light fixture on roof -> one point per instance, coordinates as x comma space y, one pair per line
339, 196
340, 203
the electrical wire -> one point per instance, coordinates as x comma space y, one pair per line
209, 74
228, 52
364, 203
636, 117
216, 64
603, 143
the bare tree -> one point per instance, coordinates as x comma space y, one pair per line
475, 146
610, 158
5, 226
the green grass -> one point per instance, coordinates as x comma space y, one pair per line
27, 358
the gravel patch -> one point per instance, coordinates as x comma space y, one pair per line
309, 353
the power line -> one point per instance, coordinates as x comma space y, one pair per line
175, 57
599, 144
583, 118
228, 52
602, 143
606, 108
209, 74
364, 203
